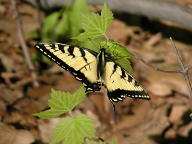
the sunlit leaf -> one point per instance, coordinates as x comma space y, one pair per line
49, 25
119, 54
124, 63
73, 130
62, 102
116, 50
79, 8
92, 44
62, 27
95, 25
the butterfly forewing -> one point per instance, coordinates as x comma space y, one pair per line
120, 83
80, 62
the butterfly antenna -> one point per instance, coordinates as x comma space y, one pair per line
114, 113
113, 106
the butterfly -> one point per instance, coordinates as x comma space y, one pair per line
94, 70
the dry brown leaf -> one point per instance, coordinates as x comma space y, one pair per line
2, 108
170, 134
177, 113
7, 62
9, 135
45, 128
30, 106
141, 110
23, 119
185, 130
153, 40
94, 117
151, 124
9, 95
162, 84
39, 92
67, 83
119, 31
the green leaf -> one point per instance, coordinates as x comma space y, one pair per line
92, 44
62, 28
65, 23
49, 25
33, 33
73, 130
124, 63
95, 25
79, 8
106, 18
119, 53
116, 50
61, 103
113, 142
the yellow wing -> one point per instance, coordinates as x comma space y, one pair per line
80, 62
120, 83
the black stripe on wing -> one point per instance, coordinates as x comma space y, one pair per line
77, 74
119, 95
128, 88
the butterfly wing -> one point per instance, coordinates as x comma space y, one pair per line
120, 84
80, 62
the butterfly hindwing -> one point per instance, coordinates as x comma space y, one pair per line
120, 83
80, 62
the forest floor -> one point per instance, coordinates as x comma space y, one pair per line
163, 120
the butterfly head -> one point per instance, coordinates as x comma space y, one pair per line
96, 86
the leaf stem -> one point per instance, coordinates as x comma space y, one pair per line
24, 45
106, 37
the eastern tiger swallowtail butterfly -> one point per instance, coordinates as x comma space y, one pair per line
94, 70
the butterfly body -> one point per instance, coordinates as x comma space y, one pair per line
94, 70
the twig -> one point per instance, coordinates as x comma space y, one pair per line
24, 45
99, 139
189, 68
183, 70
106, 37
156, 68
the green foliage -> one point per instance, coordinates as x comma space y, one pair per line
95, 25
61, 29
61, 103
112, 142
118, 53
65, 23
116, 50
73, 130
33, 33
79, 8
124, 63
76, 17
50, 23
92, 44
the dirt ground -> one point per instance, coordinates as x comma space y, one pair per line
163, 120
